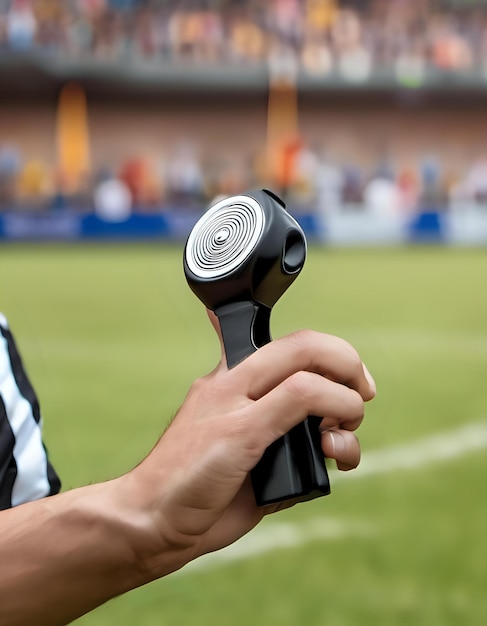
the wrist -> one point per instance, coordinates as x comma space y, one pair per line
158, 548
72, 552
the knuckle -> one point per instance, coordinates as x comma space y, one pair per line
315, 347
356, 408
198, 384
304, 338
239, 431
205, 386
353, 355
299, 385
208, 389
303, 343
236, 425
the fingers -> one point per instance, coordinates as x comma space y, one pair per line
306, 373
343, 446
310, 351
324, 354
302, 394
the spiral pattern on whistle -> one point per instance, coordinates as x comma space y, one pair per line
224, 237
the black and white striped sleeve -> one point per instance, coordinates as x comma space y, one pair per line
25, 471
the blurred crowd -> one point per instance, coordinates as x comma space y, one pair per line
351, 37
313, 182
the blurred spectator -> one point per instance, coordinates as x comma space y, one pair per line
112, 200
351, 37
449, 49
93, 8
10, 165
185, 179
408, 188
230, 178
432, 196
330, 185
474, 186
285, 18
139, 177
34, 184
21, 25
353, 185
316, 58
313, 180
79, 35
347, 38
382, 196
247, 41
306, 179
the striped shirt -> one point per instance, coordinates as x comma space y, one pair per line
25, 471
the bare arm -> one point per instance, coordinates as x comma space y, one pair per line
62, 556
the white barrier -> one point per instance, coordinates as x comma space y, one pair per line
466, 224
462, 225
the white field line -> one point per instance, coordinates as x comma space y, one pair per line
433, 449
274, 535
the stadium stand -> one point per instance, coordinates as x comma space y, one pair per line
422, 58
353, 36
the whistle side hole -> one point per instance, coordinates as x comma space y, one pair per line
294, 253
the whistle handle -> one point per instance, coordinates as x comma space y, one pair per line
242, 327
292, 467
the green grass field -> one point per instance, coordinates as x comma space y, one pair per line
112, 338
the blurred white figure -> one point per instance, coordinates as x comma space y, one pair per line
355, 64
354, 60
382, 196
410, 69
10, 160
476, 182
112, 200
329, 186
305, 172
185, 177
317, 58
21, 25
283, 63
329, 183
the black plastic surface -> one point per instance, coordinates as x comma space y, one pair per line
293, 467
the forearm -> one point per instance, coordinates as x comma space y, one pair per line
62, 556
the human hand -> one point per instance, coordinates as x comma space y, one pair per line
196, 482
192, 494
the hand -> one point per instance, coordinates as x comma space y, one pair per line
71, 552
196, 480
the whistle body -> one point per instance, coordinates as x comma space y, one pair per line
241, 282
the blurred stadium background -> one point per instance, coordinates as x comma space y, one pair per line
120, 121
141, 112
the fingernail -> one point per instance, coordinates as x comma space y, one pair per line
338, 443
369, 378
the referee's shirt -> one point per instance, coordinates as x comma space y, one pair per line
25, 471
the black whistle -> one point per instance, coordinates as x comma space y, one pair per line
240, 257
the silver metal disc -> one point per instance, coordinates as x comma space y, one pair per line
224, 236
